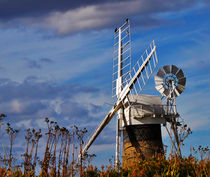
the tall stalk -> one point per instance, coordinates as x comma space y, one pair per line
12, 133
28, 137
37, 136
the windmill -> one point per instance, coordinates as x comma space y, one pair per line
170, 82
126, 85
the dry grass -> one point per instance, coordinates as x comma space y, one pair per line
64, 145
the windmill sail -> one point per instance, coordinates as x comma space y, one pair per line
142, 70
122, 49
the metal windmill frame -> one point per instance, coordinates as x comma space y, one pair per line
170, 82
125, 81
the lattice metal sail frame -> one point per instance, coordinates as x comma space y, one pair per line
125, 40
146, 71
170, 81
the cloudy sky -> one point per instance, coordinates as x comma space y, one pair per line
56, 61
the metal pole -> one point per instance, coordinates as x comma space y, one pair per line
118, 139
120, 112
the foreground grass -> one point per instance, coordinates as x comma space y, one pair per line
159, 167
64, 145
173, 166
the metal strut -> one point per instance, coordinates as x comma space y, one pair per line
105, 121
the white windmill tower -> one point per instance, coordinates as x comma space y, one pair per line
170, 82
135, 113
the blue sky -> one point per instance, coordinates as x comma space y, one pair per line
56, 62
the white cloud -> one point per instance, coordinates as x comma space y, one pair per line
103, 15
24, 123
90, 17
16, 106
56, 105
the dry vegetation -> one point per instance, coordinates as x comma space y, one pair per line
63, 146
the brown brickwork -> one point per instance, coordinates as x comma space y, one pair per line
141, 142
